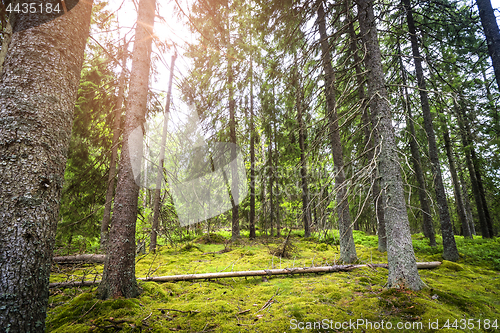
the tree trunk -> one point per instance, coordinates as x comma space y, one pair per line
276, 180
235, 230
456, 186
252, 158
306, 209
114, 153
417, 162
347, 248
38, 90
159, 176
450, 251
467, 144
465, 195
490, 27
401, 257
368, 131
119, 268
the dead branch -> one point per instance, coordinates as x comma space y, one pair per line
267, 272
87, 258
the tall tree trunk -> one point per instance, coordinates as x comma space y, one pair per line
38, 90
159, 175
276, 180
417, 162
456, 186
235, 229
347, 248
306, 209
252, 158
467, 144
450, 251
114, 152
490, 27
119, 269
271, 181
369, 146
465, 195
400, 255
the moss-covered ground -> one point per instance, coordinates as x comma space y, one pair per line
465, 295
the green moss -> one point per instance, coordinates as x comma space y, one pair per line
468, 289
453, 266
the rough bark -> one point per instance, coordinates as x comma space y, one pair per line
417, 161
38, 90
119, 268
450, 251
347, 248
369, 133
114, 154
401, 257
456, 186
490, 27
276, 181
159, 175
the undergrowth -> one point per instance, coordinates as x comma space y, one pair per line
458, 291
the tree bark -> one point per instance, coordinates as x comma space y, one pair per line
306, 209
467, 144
417, 162
347, 248
85, 258
252, 158
159, 176
38, 90
450, 251
235, 230
119, 268
465, 195
490, 27
400, 255
369, 132
456, 186
114, 153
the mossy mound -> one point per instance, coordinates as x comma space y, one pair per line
211, 238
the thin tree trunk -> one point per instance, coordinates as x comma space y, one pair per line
276, 181
114, 153
119, 268
465, 193
306, 214
252, 158
467, 144
450, 251
235, 230
400, 255
159, 175
456, 186
368, 131
490, 27
417, 162
38, 90
271, 181
347, 248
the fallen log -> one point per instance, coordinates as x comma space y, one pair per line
265, 272
90, 258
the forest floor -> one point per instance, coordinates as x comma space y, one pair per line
461, 297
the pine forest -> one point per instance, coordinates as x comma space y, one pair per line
249, 166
